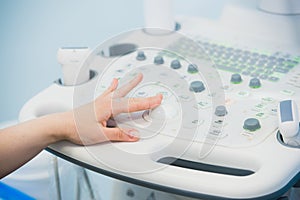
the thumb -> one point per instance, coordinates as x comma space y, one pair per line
117, 134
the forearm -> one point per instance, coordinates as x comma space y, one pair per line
20, 143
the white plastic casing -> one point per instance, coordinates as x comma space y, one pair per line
281, 7
158, 15
71, 61
289, 122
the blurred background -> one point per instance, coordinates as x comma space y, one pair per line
32, 31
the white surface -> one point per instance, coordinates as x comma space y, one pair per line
159, 14
289, 129
284, 7
71, 60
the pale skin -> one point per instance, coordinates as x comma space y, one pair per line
85, 125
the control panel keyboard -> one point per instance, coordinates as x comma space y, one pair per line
254, 63
248, 79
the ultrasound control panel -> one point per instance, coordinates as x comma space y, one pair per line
216, 133
261, 91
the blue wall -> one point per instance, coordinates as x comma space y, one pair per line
31, 31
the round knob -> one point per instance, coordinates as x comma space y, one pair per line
251, 124
158, 60
175, 64
236, 78
220, 111
197, 86
254, 83
192, 68
140, 56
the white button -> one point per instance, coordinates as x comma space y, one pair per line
157, 113
243, 93
185, 97
193, 123
165, 111
202, 105
287, 92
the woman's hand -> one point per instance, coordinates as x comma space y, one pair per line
88, 123
85, 125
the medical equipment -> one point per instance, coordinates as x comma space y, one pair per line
71, 59
282, 7
289, 122
227, 147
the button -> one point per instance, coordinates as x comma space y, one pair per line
140, 56
220, 111
254, 83
229, 69
259, 107
281, 70
192, 68
119, 49
251, 124
226, 88
243, 93
141, 94
185, 97
197, 86
202, 105
263, 76
157, 113
236, 78
159, 60
175, 64
261, 115
273, 79
192, 123
246, 73
287, 92
268, 100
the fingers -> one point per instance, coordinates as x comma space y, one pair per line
126, 105
113, 86
123, 91
116, 134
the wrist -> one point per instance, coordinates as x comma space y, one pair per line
61, 126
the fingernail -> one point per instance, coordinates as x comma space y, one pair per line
160, 96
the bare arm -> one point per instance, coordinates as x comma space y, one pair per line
20, 143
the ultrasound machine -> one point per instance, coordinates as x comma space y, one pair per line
228, 126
